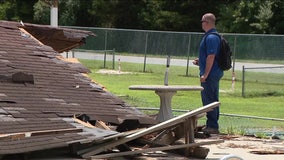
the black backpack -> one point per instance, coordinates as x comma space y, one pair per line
225, 57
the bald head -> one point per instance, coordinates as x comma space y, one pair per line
209, 17
208, 21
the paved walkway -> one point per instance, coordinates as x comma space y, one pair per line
174, 62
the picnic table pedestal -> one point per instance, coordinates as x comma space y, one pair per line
165, 93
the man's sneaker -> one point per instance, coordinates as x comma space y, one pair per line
209, 131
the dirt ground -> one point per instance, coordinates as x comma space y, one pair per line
243, 148
247, 148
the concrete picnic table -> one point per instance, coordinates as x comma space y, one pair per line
166, 92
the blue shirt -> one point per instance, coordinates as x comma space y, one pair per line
212, 47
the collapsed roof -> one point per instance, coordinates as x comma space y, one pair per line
42, 97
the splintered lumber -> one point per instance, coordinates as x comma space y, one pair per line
109, 138
102, 125
86, 124
163, 125
99, 124
164, 148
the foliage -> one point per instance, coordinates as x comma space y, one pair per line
24, 10
6, 10
276, 23
237, 16
16, 10
126, 13
163, 15
67, 10
41, 13
244, 15
264, 15
103, 13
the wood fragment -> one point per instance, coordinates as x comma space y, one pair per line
277, 151
86, 124
102, 125
22, 135
155, 149
163, 125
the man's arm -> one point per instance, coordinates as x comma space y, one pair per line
209, 63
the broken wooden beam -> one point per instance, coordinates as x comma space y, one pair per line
163, 125
21, 135
164, 148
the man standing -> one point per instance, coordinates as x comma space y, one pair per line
210, 73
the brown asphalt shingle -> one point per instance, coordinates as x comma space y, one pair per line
38, 89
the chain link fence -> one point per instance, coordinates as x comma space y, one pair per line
256, 47
244, 46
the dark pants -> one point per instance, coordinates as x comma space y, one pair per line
210, 94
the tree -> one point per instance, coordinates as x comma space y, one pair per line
102, 13
126, 14
264, 15
233, 16
41, 13
7, 10
176, 15
244, 16
250, 16
84, 16
225, 18
69, 12
276, 23
24, 10
16, 10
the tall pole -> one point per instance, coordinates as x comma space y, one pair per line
243, 82
145, 52
188, 52
234, 60
166, 79
54, 13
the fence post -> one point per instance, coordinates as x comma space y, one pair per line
105, 49
188, 52
113, 58
234, 60
145, 51
243, 82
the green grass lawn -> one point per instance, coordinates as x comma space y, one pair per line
264, 99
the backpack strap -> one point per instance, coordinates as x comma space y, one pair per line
215, 33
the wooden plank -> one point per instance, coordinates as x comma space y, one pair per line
22, 135
175, 120
109, 138
122, 134
163, 125
189, 133
164, 148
